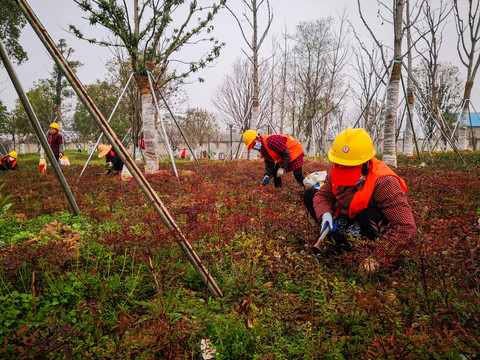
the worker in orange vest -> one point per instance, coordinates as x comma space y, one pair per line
361, 197
9, 161
282, 154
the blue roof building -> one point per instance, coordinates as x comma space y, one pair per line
473, 119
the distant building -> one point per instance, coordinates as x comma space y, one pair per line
473, 128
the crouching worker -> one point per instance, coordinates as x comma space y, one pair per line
113, 160
361, 196
9, 161
282, 154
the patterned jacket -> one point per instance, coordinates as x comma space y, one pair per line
278, 144
388, 196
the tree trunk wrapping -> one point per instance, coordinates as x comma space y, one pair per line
389, 143
462, 128
149, 133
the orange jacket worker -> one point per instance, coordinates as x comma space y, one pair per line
361, 196
281, 153
9, 161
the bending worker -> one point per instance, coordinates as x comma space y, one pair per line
55, 140
361, 196
9, 161
113, 160
282, 154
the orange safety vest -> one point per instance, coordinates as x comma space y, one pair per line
361, 199
293, 145
7, 161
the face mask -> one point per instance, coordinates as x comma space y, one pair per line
12, 159
257, 146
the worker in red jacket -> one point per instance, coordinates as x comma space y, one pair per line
55, 140
361, 196
9, 161
282, 154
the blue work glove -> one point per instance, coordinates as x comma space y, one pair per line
327, 220
265, 180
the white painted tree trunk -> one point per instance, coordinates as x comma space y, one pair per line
409, 139
462, 130
409, 131
391, 107
138, 154
389, 143
149, 134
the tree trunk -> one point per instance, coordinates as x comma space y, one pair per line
255, 67
408, 138
391, 107
462, 128
149, 132
389, 139
58, 101
284, 89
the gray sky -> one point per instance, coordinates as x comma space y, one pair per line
56, 15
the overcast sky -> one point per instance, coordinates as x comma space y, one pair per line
56, 15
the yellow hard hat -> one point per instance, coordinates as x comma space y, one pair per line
351, 147
248, 138
54, 125
13, 154
103, 149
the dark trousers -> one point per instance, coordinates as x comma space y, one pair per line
297, 173
369, 219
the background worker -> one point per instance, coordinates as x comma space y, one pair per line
282, 154
113, 160
9, 161
55, 140
361, 196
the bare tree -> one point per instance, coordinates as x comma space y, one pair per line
254, 45
335, 90
392, 91
428, 47
369, 99
312, 41
409, 138
391, 106
446, 96
283, 79
232, 96
468, 30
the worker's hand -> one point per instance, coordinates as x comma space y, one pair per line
109, 164
60, 155
265, 180
368, 267
327, 220
280, 172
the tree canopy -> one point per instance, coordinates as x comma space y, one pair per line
11, 24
